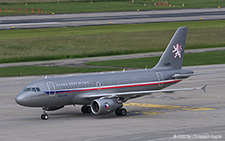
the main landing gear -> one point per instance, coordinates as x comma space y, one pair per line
86, 109
121, 112
44, 116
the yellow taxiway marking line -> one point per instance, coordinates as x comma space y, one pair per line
148, 113
152, 111
221, 105
168, 107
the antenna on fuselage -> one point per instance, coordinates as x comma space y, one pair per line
146, 67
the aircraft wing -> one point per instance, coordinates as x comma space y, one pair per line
136, 93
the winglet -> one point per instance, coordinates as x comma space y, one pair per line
204, 88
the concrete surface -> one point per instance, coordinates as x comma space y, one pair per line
103, 18
159, 117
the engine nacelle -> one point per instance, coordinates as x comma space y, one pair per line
104, 106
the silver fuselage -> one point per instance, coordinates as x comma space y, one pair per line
60, 91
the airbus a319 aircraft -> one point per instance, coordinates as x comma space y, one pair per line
106, 92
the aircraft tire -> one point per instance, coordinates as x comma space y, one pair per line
121, 112
44, 117
86, 109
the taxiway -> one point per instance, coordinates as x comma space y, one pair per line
103, 18
153, 117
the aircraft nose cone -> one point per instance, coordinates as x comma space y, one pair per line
19, 100
22, 100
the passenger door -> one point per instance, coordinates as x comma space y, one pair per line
160, 78
98, 85
51, 88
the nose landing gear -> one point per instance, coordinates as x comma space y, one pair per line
44, 116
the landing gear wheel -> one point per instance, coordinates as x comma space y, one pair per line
44, 117
86, 109
121, 112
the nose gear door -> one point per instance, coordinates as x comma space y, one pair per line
51, 88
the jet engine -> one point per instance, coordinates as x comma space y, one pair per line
104, 106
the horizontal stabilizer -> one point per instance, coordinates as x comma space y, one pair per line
177, 76
204, 88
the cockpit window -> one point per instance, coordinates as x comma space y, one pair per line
27, 89
38, 89
33, 89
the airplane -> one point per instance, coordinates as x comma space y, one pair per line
105, 93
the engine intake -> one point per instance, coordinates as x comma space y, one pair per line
104, 106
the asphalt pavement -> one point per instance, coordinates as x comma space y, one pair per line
187, 115
104, 18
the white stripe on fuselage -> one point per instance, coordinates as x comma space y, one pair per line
114, 86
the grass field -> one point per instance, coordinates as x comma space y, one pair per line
206, 58
102, 6
189, 60
43, 70
73, 42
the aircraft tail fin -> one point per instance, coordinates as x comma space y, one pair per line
173, 55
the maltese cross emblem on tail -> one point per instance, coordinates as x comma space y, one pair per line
177, 50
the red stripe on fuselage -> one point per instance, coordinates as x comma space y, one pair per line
118, 86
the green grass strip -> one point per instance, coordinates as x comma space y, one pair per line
206, 58
73, 42
44, 70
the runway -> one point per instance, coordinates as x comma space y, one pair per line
103, 18
159, 117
